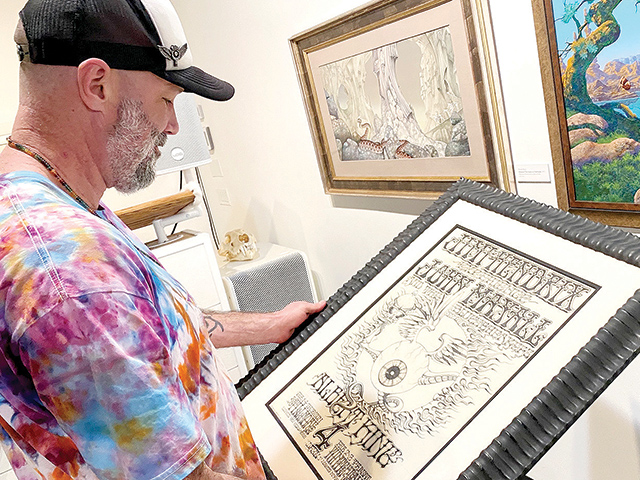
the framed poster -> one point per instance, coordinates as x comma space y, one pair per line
403, 98
589, 53
429, 352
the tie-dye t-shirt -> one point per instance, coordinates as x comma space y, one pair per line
105, 367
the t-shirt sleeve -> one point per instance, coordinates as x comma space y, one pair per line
101, 366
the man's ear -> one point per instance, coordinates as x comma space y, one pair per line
96, 84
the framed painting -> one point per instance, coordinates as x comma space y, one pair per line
442, 355
589, 56
403, 98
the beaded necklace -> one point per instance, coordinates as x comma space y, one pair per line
53, 171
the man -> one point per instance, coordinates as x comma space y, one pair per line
106, 369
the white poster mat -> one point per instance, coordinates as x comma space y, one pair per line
457, 440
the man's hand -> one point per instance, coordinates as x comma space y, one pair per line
289, 318
234, 329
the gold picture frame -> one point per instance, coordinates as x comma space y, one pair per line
440, 116
571, 195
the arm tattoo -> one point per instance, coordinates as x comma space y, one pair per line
213, 324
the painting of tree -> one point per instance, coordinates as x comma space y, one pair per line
371, 114
601, 102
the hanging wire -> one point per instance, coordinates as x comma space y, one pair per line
175, 226
214, 232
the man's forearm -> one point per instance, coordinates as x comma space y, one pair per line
203, 472
232, 329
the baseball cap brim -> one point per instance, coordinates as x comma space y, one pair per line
195, 80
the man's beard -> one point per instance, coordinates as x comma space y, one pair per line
132, 148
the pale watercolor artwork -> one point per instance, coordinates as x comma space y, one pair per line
398, 101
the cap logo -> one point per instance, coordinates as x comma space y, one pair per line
22, 52
173, 53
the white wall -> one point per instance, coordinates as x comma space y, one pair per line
9, 61
264, 145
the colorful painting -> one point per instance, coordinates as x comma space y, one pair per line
398, 101
598, 47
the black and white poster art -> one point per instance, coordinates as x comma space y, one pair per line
416, 373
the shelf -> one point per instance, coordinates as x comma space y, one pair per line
144, 214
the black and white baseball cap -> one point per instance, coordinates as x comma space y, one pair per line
127, 34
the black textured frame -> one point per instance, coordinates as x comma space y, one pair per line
549, 415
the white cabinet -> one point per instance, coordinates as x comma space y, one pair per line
6, 472
189, 256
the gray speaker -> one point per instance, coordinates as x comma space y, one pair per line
269, 283
189, 147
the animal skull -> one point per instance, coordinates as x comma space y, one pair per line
239, 245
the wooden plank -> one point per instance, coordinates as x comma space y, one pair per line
144, 214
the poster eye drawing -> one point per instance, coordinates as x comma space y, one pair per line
398, 101
403, 379
415, 351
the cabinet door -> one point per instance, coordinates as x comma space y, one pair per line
192, 262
